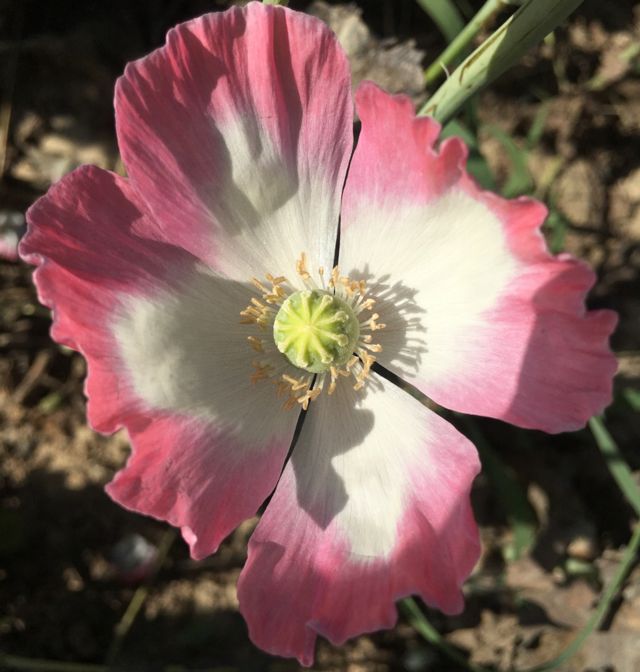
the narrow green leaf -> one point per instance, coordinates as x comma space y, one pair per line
122, 628
50, 402
623, 476
459, 46
625, 480
418, 620
537, 126
503, 49
616, 463
628, 560
557, 226
584, 568
479, 168
461, 130
519, 181
445, 15
476, 163
420, 623
632, 397
510, 494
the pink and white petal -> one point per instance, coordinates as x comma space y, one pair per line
238, 134
362, 516
479, 315
167, 358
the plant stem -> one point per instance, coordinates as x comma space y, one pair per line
503, 49
616, 463
628, 560
459, 44
445, 15
624, 478
431, 635
139, 597
422, 626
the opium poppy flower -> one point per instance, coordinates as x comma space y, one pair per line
203, 291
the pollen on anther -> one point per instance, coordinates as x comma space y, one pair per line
301, 267
259, 285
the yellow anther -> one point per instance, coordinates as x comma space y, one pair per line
308, 396
334, 380
296, 383
367, 304
259, 285
372, 323
301, 267
276, 280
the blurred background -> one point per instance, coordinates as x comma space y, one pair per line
87, 584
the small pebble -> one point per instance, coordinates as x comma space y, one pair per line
132, 558
12, 228
582, 548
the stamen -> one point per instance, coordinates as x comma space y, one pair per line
301, 268
296, 383
308, 396
256, 343
372, 324
334, 380
279, 280
316, 332
335, 277
366, 304
262, 371
259, 285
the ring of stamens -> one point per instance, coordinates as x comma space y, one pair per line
344, 349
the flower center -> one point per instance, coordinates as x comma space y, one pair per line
316, 330
325, 330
